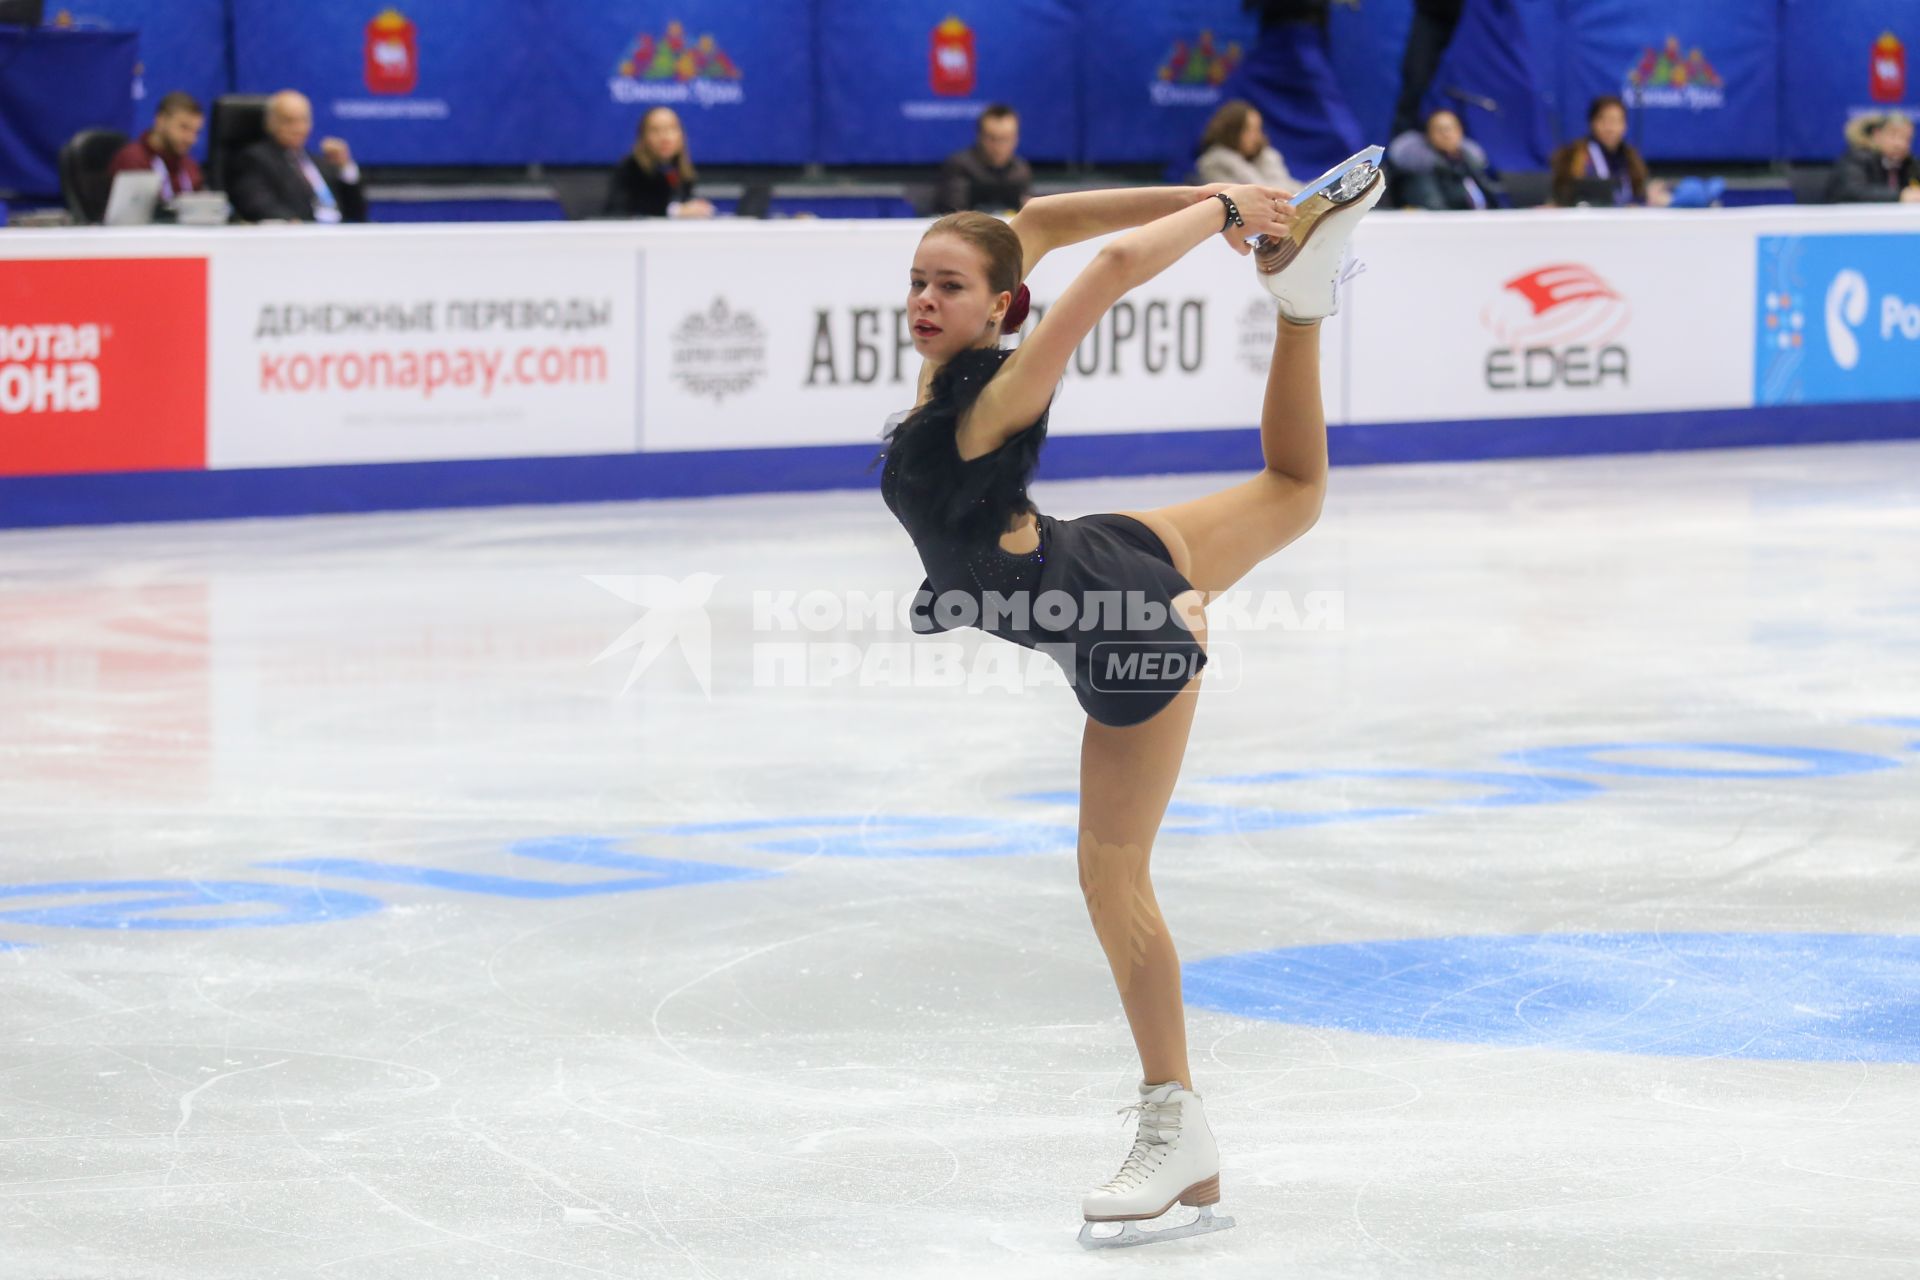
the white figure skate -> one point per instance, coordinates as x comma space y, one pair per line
1174, 1160
1304, 268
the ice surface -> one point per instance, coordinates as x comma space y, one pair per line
797, 982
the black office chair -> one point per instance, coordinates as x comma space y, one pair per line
1811, 184
84, 180
239, 121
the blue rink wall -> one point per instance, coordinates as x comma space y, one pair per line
37, 501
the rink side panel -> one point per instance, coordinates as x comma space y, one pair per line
40, 501
193, 373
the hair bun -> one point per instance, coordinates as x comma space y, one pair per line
1017, 310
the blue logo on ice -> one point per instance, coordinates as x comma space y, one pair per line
1811, 997
1838, 320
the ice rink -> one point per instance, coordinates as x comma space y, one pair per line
1545, 867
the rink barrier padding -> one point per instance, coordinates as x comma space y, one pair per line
45, 501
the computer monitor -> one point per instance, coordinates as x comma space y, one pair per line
1598, 192
131, 202
22, 13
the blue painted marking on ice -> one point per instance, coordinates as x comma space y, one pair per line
1815, 762
594, 851
1502, 789
1899, 722
1805, 997
1219, 819
293, 903
871, 837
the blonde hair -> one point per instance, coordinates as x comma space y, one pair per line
649, 162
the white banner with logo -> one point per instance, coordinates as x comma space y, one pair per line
804, 341
377, 348
1568, 313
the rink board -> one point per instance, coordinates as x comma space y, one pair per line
172, 373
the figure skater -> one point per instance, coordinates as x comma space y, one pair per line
956, 473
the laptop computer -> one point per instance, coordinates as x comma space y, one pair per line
133, 198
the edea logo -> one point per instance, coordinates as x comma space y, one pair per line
1669, 78
392, 54
1887, 79
1557, 326
953, 63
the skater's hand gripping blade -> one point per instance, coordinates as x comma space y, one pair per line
1130, 1233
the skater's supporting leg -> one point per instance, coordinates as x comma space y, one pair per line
1126, 779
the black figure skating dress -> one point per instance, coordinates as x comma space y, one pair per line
1124, 659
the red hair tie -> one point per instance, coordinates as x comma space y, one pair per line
1016, 311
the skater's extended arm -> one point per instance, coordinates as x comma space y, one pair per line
1053, 222
1020, 392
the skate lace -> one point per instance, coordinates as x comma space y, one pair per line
1159, 1126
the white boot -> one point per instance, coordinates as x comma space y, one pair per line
1174, 1160
1303, 268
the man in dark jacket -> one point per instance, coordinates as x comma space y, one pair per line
989, 175
276, 180
1442, 169
1880, 167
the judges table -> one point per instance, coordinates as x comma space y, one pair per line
180, 372
53, 84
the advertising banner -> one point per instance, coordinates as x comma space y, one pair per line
415, 82
103, 365
826, 357
1700, 80
1838, 319
402, 351
1545, 318
902, 83
1841, 59
739, 76
1153, 72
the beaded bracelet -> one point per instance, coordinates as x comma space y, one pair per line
1233, 214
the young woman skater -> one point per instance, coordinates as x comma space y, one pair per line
956, 474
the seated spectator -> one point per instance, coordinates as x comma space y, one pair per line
656, 178
1879, 166
1234, 149
276, 180
1442, 168
164, 148
988, 176
1605, 155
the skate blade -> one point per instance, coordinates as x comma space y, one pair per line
1130, 1233
1346, 179
1336, 189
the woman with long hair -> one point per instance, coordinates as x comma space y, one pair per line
956, 473
1234, 148
1605, 155
656, 178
